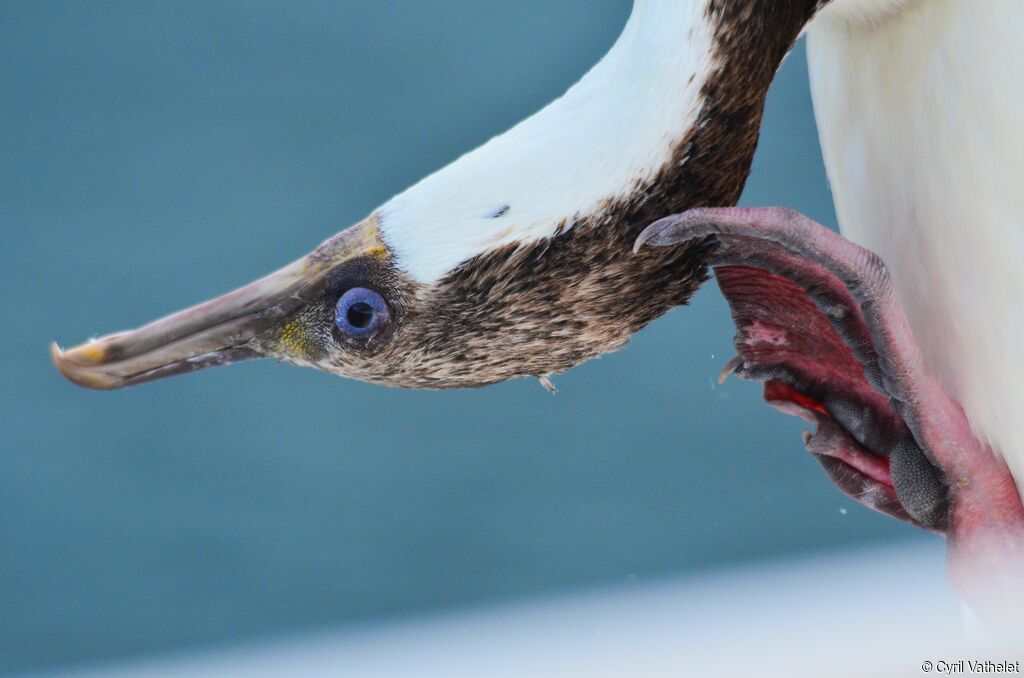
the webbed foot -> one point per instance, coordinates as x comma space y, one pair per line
820, 323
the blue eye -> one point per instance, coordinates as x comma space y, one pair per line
360, 312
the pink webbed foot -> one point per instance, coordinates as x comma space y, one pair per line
819, 322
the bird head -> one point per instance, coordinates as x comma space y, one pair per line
516, 259
349, 308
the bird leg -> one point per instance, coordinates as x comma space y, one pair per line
819, 322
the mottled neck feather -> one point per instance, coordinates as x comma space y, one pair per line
680, 91
555, 294
711, 163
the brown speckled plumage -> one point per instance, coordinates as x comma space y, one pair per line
546, 306
523, 308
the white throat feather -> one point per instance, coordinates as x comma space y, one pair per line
613, 130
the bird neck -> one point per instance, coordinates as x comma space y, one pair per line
670, 113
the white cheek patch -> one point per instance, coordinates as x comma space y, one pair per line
615, 128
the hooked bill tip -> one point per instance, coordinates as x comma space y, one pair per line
89, 354
75, 365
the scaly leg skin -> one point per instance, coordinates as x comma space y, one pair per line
819, 322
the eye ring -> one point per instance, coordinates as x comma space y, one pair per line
360, 312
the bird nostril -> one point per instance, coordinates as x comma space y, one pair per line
360, 314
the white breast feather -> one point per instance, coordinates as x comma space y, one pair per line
614, 128
923, 138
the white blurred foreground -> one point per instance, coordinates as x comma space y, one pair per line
880, 611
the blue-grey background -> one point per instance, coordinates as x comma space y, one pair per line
154, 154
